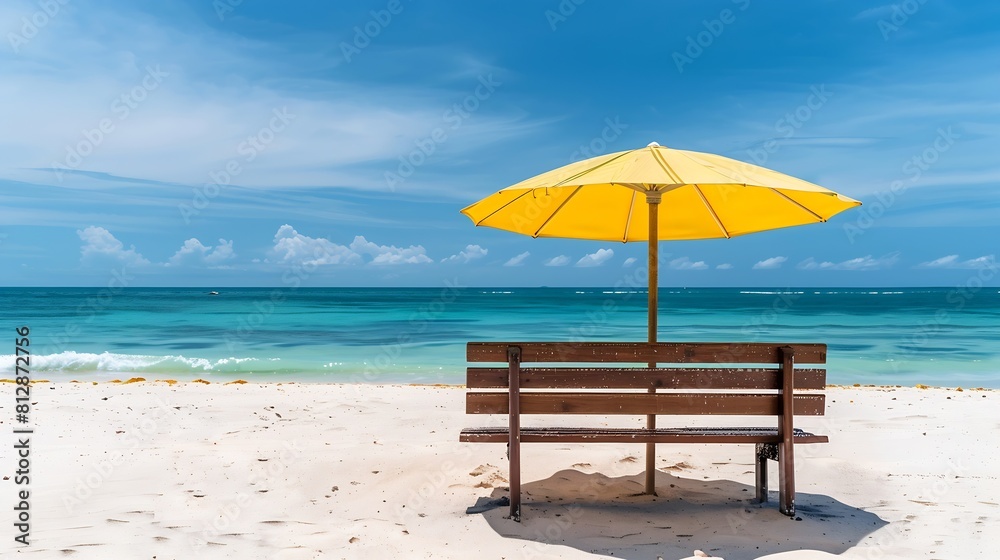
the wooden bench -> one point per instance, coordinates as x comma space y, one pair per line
700, 381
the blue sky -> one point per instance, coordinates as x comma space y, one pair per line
228, 143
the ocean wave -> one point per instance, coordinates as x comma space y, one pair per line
71, 361
769, 293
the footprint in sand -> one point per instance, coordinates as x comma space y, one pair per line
493, 477
629, 459
482, 469
582, 465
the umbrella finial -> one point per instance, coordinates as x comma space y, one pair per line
653, 145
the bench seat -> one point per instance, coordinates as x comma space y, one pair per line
637, 435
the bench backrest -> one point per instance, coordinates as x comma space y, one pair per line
700, 378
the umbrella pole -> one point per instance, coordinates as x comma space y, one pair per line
653, 201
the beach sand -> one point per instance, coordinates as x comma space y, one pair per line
290, 471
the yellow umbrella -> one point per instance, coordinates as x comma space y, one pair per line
706, 196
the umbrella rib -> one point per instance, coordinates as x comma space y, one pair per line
793, 201
723, 172
556, 211
628, 219
508, 203
598, 166
666, 167
718, 220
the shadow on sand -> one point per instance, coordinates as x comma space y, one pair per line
602, 515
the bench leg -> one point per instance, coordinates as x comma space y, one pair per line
786, 480
786, 430
762, 453
514, 444
515, 483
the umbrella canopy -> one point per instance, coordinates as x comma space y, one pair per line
705, 196
616, 197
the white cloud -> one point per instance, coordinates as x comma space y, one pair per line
222, 252
389, 254
685, 263
596, 259
194, 252
770, 264
291, 247
724, 266
866, 262
952, 261
99, 243
561, 260
517, 260
629, 262
471, 253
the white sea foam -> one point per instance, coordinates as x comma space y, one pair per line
770, 293
71, 361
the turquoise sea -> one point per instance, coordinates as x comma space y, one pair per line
947, 336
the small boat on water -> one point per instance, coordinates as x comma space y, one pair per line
213, 293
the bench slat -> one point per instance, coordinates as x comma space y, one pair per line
643, 378
637, 435
640, 352
596, 403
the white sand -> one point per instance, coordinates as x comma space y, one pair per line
350, 471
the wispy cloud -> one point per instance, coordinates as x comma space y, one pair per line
684, 263
561, 260
517, 260
866, 262
629, 262
770, 264
953, 261
876, 12
209, 110
724, 266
